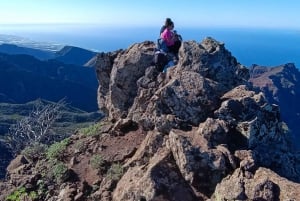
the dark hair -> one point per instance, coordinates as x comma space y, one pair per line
168, 22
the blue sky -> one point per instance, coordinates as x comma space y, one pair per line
191, 13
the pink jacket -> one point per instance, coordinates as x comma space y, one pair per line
168, 36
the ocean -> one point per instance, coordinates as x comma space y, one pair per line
268, 47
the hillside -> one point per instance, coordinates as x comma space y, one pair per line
14, 45
281, 85
71, 119
74, 55
198, 132
14, 49
24, 78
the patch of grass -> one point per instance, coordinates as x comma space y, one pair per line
115, 172
33, 195
91, 130
97, 162
56, 150
59, 171
21, 194
17, 195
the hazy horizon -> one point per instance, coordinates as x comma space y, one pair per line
194, 13
270, 47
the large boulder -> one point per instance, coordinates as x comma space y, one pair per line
263, 185
127, 67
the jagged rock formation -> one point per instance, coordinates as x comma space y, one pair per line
198, 132
281, 86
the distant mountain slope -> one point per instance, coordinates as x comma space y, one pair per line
14, 49
281, 84
42, 50
24, 78
74, 55
71, 119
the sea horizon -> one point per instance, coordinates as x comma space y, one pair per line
261, 46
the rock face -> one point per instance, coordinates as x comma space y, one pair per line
117, 95
263, 185
281, 85
172, 100
198, 132
207, 90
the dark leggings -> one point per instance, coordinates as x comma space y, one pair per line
175, 48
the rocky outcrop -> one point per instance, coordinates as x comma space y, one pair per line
198, 132
263, 185
207, 90
211, 67
126, 69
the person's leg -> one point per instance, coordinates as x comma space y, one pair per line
172, 49
177, 45
163, 46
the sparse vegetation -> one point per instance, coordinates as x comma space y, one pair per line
56, 150
21, 194
91, 130
59, 171
97, 162
79, 146
115, 172
35, 151
36, 127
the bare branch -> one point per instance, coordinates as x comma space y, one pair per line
35, 127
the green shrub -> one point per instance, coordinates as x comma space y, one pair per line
56, 150
91, 130
115, 172
97, 162
59, 171
17, 195
21, 194
33, 195
35, 151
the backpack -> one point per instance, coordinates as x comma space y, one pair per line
160, 60
177, 36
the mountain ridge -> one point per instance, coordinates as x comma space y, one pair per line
14, 45
74, 55
25, 78
14, 49
200, 131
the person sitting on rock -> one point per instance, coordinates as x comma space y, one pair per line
167, 46
171, 38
